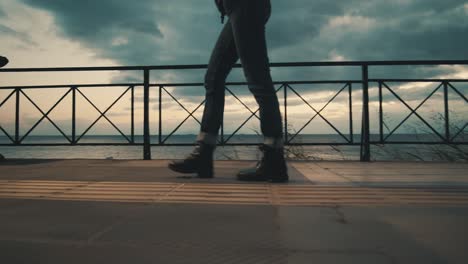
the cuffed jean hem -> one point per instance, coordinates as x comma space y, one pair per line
273, 142
207, 138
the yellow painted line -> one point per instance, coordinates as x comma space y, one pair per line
119, 189
212, 202
220, 187
338, 196
190, 187
195, 192
87, 199
312, 193
204, 199
132, 184
188, 196
104, 193
101, 195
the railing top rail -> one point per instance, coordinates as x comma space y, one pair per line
188, 84
275, 65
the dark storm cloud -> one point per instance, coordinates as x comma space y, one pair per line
299, 20
91, 20
404, 29
395, 30
152, 32
131, 31
414, 29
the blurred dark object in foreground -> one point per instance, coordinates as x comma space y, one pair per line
3, 61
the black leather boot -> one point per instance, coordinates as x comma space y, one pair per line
272, 167
200, 161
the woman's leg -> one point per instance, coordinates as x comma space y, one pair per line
248, 19
223, 58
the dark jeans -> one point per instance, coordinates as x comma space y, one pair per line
243, 37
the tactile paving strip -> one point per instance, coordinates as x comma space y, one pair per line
207, 193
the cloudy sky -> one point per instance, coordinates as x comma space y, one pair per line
56, 33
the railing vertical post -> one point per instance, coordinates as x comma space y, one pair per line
381, 113
133, 115
285, 87
146, 119
73, 115
17, 116
222, 124
446, 106
160, 115
365, 134
350, 91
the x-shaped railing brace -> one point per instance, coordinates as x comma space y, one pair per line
183, 107
413, 111
252, 113
45, 116
318, 113
103, 114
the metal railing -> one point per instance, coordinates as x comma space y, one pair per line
287, 86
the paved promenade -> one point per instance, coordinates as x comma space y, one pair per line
107, 211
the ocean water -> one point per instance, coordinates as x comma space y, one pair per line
387, 152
